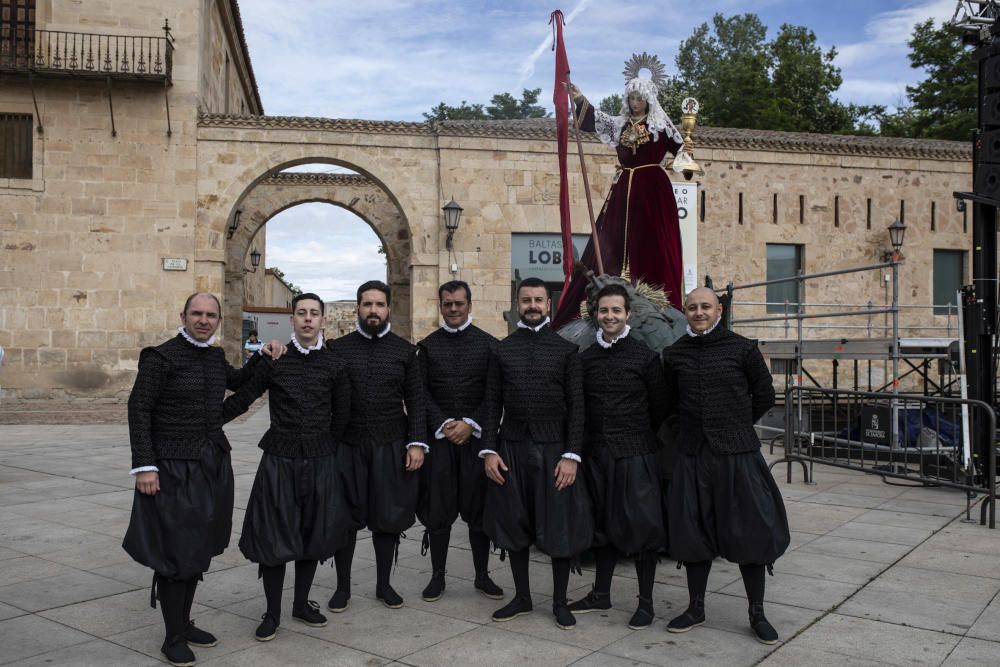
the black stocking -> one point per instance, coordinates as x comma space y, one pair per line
305, 570
480, 544
560, 579
607, 558
753, 582
343, 559
385, 546
274, 582
519, 568
192, 584
645, 572
439, 551
172, 605
697, 576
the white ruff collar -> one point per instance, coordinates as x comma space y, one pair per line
536, 329
605, 344
357, 327
183, 332
307, 350
461, 328
693, 333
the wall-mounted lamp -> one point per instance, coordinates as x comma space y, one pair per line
897, 230
254, 261
235, 224
452, 215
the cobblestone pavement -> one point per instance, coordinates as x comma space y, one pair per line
876, 574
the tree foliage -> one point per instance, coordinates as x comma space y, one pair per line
743, 80
502, 106
943, 105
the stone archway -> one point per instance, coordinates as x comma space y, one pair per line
353, 192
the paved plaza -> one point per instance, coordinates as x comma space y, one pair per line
876, 574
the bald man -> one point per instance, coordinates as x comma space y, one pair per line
723, 500
182, 510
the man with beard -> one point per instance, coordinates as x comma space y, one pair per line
182, 511
384, 441
295, 512
625, 395
536, 497
723, 500
456, 362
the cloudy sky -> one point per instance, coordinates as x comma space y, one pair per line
395, 59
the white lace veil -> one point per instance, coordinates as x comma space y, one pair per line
609, 128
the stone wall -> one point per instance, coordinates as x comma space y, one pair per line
82, 282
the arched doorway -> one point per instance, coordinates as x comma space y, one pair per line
281, 190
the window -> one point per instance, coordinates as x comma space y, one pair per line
15, 145
949, 276
783, 260
17, 32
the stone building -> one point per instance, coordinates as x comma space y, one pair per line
112, 217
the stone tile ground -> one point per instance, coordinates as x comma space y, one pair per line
876, 575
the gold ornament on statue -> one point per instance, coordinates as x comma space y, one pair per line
685, 156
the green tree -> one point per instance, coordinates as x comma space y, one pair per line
943, 105
743, 80
727, 68
503, 106
611, 105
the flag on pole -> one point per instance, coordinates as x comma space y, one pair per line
561, 100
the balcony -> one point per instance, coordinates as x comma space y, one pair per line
55, 53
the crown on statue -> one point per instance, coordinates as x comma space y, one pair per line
639, 62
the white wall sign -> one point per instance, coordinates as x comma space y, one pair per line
541, 255
175, 264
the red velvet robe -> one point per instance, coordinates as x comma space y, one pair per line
641, 212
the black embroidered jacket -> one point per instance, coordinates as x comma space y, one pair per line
309, 401
387, 394
538, 386
719, 386
175, 408
625, 394
456, 367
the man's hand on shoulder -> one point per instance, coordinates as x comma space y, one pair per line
274, 349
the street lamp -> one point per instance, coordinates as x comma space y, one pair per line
254, 261
452, 214
897, 230
235, 224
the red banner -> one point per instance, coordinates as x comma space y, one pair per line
561, 99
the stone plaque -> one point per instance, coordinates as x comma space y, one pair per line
175, 264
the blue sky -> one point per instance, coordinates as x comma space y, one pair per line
393, 60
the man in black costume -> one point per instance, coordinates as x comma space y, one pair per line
296, 512
455, 361
384, 440
536, 496
625, 395
182, 511
723, 500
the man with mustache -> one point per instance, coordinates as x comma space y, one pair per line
295, 512
182, 511
384, 441
722, 500
456, 361
536, 496
625, 395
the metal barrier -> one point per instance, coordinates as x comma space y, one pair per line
922, 439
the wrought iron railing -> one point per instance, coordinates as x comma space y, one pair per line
55, 52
